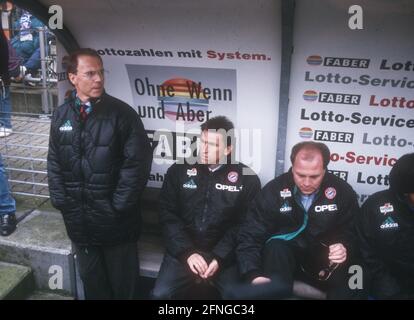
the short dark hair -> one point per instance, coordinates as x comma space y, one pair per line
402, 175
220, 123
70, 62
311, 145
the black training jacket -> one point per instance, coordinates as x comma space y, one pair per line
386, 235
276, 212
97, 170
200, 210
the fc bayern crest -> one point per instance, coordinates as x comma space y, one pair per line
330, 193
233, 176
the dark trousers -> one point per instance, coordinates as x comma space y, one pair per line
282, 260
33, 63
383, 290
175, 278
109, 272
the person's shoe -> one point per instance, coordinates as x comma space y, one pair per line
29, 80
5, 132
23, 70
7, 224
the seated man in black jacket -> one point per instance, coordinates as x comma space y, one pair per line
301, 224
386, 234
201, 206
98, 165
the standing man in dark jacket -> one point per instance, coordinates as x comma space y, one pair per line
98, 165
201, 206
301, 221
386, 234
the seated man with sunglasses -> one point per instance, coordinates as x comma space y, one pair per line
301, 224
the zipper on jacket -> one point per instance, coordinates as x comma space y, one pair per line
82, 155
207, 199
299, 203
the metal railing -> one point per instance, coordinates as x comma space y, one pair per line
46, 79
33, 98
24, 153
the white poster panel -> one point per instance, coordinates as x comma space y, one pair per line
179, 104
353, 89
230, 47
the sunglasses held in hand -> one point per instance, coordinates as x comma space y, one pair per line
316, 258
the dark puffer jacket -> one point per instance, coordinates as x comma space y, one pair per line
97, 170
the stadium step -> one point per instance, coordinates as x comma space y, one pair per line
16, 281
40, 243
44, 295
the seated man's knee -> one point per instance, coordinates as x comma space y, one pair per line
275, 247
161, 292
